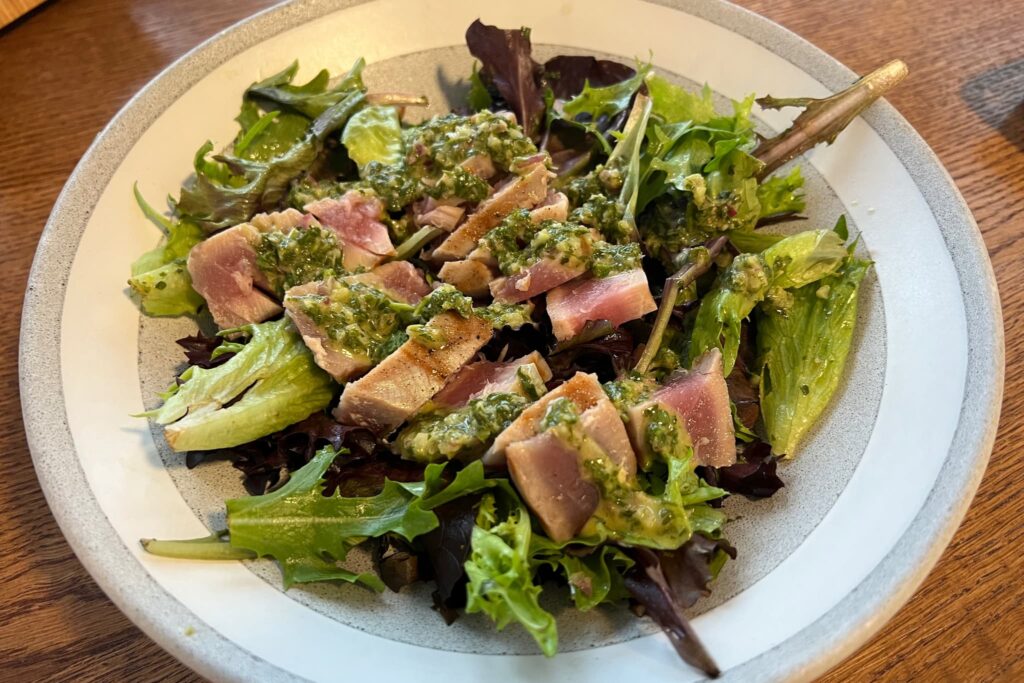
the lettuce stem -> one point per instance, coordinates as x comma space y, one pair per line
695, 262
822, 120
211, 547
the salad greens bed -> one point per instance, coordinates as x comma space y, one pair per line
553, 332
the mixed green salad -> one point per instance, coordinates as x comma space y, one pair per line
531, 344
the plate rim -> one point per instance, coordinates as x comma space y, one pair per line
808, 653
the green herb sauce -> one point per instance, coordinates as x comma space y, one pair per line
458, 183
358, 319
298, 256
446, 141
606, 215
460, 434
612, 259
570, 244
628, 392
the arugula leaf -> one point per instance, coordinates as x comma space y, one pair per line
802, 352
780, 195
500, 573
792, 262
697, 180
159, 276
682, 161
310, 533
270, 383
374, 134
179, 238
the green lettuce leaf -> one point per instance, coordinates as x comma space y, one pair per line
780, 195
595, 107
309, 533
594, 578
792, 262
374, 134
228, 190
748, 241
674, 104
270, 135
500, 573
802, 351
805, 257
167, 290
270, 383
478, 98
697, 180
159, 276
311, 99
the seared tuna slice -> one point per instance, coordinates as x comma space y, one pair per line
444, 216
472, 278
400, 280
701, 400
555, 207
224, 272
340, 363
524, 192
617, 299
582, 389
356, 219
281, 221
602, 423
535, 279
547, 474
487, 377
395, 389
549, 470
479, 165
345, 342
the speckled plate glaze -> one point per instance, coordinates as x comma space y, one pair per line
868, 508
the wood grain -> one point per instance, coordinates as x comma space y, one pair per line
12, 9
66, 68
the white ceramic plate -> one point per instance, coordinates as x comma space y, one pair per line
868, 507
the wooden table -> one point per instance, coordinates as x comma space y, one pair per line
68, 66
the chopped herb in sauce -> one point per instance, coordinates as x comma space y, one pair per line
298, 256
626, 513
628, 392
446, 141
499, 315
444, 298
460, 434
360, 320
612, 259
607, 216
518, 243
458, 183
